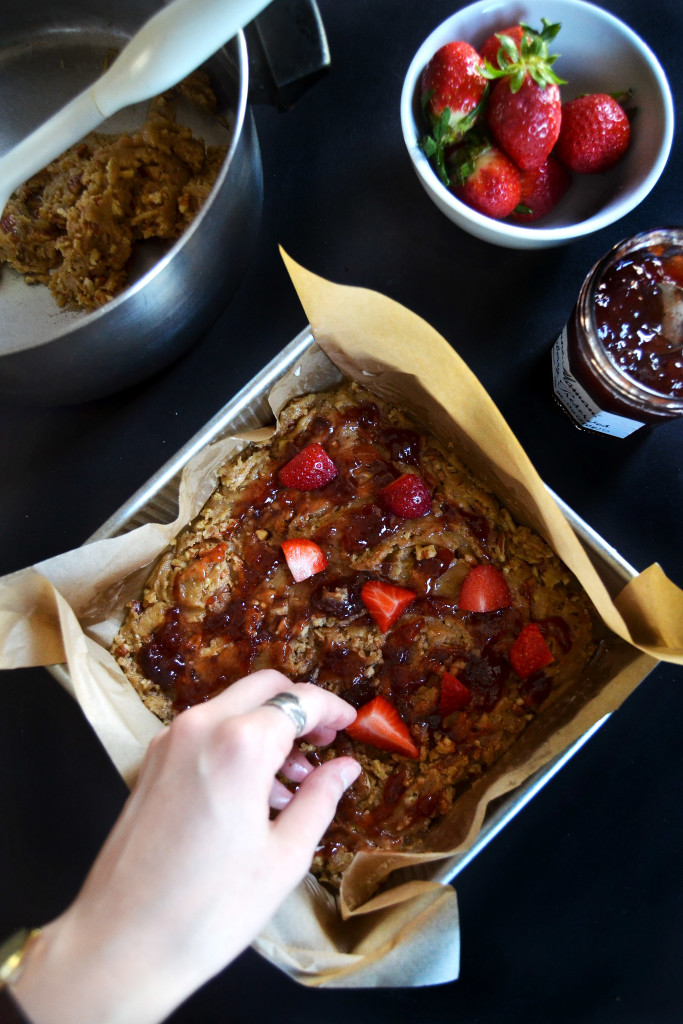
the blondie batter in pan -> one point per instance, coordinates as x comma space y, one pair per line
74, 225
419, 600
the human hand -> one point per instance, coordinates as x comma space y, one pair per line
194, 866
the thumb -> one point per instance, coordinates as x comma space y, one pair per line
301, 824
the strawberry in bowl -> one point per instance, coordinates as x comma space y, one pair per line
523, 124
595, 134
537, 59
524, 111
453, 89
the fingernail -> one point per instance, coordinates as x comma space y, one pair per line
278, 801
349, 773
296, 771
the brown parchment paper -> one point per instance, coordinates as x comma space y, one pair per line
393, 923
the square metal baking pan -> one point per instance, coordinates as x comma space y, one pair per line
157, 501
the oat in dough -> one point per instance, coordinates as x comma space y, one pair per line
75, 224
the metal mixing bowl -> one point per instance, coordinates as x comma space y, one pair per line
59, 356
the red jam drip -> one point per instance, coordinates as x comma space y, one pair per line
404, 445
485, 676
428, 570
477, 524
639, 318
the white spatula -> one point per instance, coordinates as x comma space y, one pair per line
168, 47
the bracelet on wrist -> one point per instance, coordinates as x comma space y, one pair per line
13, 952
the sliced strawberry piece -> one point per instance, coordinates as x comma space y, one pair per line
529, 652
308, 469
454, 695
379, 724
408, 497
304, 557
385, 602
484, 589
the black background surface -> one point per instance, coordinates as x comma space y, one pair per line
573, 913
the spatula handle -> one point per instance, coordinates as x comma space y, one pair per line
169, 46
51, 138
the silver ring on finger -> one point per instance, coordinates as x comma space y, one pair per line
291, 705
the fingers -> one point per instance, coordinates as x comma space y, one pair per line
325, 712
299, 827
279, 796
324, 715
237, 732
296, 766
321, 735
249, 692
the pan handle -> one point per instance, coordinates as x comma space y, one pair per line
288, 52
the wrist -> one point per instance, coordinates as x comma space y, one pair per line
69, 977
46, 988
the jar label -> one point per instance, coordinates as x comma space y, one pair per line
583, 409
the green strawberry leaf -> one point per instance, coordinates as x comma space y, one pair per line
440, 161
508, 47
461, 169
428, 146
433, 145
462, 161
488, 70
532, 57
442, 136
549, 30
623, 98
517, 77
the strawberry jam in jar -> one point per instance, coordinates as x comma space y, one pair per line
618, 363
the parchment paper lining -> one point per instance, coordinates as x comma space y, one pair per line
380, 932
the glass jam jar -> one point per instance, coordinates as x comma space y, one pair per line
618, 363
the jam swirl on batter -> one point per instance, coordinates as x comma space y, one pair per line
235, 608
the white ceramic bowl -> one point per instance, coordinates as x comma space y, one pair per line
598, 53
